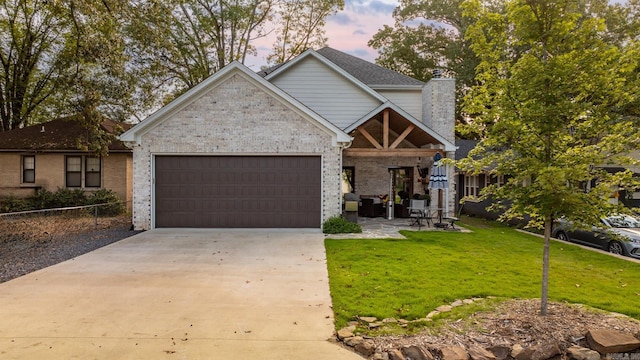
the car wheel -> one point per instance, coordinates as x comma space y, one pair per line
616, 248
561, 235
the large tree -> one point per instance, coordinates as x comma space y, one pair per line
550, 91
182, 42
428, 35
300, 26
62, 58
32, 53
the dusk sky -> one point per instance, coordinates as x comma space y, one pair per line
349, 30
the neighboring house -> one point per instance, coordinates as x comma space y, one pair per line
470, 185
46, 156
271, 150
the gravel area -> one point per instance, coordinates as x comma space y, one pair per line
24, 252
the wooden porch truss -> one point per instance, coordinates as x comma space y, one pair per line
386, 149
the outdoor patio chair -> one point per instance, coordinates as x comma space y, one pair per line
418, 212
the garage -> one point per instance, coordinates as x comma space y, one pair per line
238, 191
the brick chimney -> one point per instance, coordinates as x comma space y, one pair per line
439, 105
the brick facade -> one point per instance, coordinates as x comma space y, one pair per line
236, 117
117, 169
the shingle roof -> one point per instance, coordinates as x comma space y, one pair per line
464, 147
57, 135
368, 73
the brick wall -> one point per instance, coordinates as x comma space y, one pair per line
50, 174
236, 117
439, 106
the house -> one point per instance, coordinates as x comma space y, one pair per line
46, 156
271, 149
469, 185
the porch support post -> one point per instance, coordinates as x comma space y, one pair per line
385, 129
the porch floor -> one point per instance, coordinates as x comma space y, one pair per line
383, 228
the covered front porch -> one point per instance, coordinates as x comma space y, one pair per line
390, 162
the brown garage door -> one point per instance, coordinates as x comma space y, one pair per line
238, 191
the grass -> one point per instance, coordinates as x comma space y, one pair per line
407, 278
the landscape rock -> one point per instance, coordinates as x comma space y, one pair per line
457, 303
366, 348
478, 353
501, 352
346, 332
610, 341
416, 353
444, 308
454, 353
380, 356
353, 341
539, 352
516, 350
395, 354
368, 319
432, 314
576, 352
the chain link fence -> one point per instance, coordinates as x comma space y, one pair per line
50, 224
32, 240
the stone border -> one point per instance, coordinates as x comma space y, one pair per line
602, 344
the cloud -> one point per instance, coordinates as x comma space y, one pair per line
373, 7
360, 32
340, 19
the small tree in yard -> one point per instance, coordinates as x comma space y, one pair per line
552, 99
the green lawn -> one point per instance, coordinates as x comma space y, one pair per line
409, 278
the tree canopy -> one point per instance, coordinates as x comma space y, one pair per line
120, 59
552, 101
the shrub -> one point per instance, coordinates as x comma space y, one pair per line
69, 197
13, 204
339, 225
105, 196
43, 199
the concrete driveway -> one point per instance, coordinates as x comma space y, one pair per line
177, 294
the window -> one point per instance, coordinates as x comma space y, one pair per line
92, 172
29, 169
471, 186
77, 175
74, 171
494, 180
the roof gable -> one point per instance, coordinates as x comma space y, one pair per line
327, 90
219, 77
284, 68
64, 134
448, 146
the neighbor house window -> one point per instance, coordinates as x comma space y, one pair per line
28, 169
494, 180
83, 171
92, 172
471, 186
74, 171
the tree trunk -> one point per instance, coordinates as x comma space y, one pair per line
544, 298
